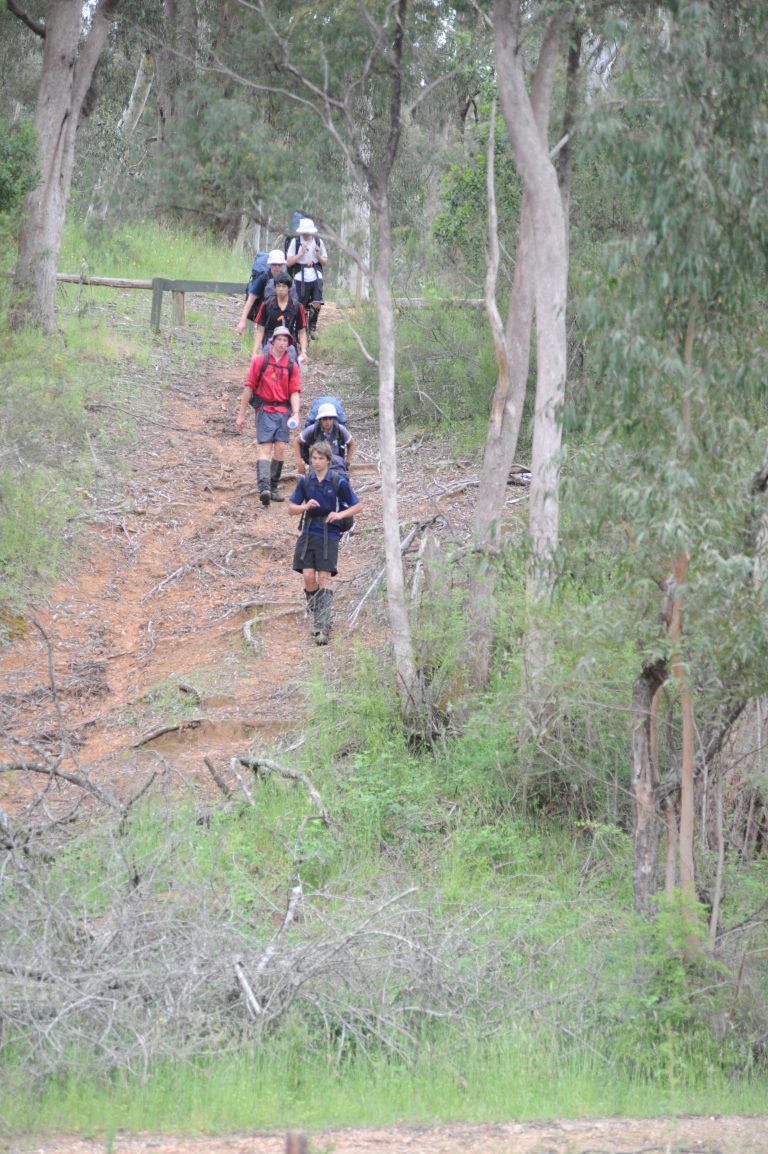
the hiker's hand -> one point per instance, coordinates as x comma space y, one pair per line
336, 515
312, 504
302, 468
240, 326
303, 358
240, 420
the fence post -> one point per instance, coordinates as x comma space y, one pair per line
296, 1142
158, 284
178, 307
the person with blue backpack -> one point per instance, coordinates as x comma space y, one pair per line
326, 422
327, 503
261, 286
278, 311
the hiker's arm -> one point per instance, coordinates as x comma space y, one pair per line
300, 465
352, 511
295, 400
258, 337
297, 510
293, 254
245, 401
249, 301
350, 450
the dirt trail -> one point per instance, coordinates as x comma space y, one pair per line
152, 633
154, 668
713, 1134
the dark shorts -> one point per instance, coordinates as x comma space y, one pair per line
271, 427
311, 291
316, 555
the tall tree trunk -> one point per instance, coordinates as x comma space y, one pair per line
646, 818
513, 351
409, 688
65, 82
540, 184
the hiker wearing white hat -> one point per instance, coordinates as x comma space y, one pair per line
305, 257
262, 287
329, 427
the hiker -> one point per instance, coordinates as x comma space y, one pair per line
325, 499
261, 287
280, 310
273, 387
327, 427
305, 256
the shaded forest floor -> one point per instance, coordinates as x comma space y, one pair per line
179, 639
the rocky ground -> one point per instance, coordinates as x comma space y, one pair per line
180, 643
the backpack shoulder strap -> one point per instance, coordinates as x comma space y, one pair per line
264, 363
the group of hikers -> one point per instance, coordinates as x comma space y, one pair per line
323, 499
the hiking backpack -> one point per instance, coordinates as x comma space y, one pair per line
259, 271
345, 524
318, 401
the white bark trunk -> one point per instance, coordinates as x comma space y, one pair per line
408, 686
540, 183
64, 84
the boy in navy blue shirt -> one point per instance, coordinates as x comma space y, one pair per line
324, 501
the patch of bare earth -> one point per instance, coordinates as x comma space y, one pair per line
187, 595
680, 1135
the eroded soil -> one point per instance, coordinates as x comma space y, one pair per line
182, 637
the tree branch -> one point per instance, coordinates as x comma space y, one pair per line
36, 26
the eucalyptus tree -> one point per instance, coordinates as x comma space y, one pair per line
538, 286
72, 49
674, 340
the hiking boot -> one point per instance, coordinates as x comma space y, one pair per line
263, 479
311, 596
324, 615
276, 468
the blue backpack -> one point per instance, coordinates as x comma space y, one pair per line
318, 401
259, 268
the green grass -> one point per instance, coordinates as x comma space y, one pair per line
146, 250
70, 404
527, 1077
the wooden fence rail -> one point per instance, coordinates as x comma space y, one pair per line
178, 288
159, 285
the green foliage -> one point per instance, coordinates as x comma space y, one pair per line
18, 164
461, 227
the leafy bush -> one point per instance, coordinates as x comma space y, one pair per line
18, 164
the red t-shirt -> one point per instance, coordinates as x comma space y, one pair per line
276, 383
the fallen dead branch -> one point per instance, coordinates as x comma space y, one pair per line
263, 766
221, 783
176, 727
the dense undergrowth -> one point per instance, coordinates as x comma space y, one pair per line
458, 941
